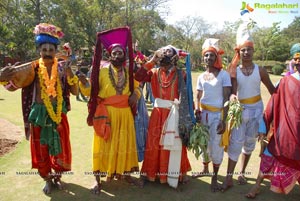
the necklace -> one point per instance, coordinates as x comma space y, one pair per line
210, 75
166, 84
46, 93
121, 79
247, 71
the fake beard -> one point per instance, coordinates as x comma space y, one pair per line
165, 61
117, 61
48, 57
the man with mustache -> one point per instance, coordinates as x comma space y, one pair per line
112, 105
213, 90
165, 155
45, 103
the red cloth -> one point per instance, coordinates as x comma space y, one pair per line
283, 110
283, 178
156, 159
40, 157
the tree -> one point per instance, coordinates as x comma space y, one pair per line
270, 44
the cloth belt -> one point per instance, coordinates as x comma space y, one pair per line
210, 108
170, 139
251, 100
101, 121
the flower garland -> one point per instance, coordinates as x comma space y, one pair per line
44, 28
45, 93
49, 83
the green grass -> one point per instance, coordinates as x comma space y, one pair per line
14, 185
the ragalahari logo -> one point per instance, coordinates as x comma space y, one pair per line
246, 8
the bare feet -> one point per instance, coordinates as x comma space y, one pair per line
130, 179
204, 173
227, 184
242, 180
215, 186
48, 187
253, 192
140, 182
184, 179
96, 189
59, 184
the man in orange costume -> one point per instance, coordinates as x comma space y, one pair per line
169, 164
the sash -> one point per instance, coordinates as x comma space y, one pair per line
170, 139
101, 121
210, 108
251, 100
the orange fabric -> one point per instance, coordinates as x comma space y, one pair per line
236, 58
149, 65
156, 159
40, 157
101, 122
218, 62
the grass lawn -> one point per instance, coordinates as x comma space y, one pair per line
19, 182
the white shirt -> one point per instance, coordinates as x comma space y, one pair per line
213, 89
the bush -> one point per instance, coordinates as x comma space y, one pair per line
277, 69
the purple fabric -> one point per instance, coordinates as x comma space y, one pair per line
110, 37
120, 35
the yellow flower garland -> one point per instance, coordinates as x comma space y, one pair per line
49, 83
3, 83
46, 93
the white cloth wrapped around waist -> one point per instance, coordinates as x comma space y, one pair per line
170, 139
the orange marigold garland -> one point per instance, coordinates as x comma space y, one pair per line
48, 89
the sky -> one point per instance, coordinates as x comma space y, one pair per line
215, 12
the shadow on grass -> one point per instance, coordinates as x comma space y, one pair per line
121, 190
195, 189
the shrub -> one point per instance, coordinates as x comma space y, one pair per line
277, 69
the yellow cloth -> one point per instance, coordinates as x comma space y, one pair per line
226, 136
101, 121
251, 100
104, 76
210, 108
118, 153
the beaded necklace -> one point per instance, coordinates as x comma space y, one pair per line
121, 79
166, 84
